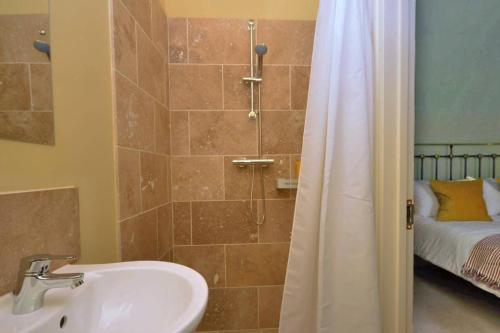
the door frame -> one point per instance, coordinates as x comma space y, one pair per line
394, 22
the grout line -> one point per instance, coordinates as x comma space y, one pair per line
223, 178
24, 63
290, 88
235, 110
258, 306
136, 55
158, 254
32, 104
180, 64
222, 86
232, 244
187, 40
191, 221
225, 266
247, 287
235, 155
141, 150
189, 132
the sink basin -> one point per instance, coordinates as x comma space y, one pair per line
128, 297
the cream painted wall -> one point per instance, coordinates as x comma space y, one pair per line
20, 7
259, 9
83, 153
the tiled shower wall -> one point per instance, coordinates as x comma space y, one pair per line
142, 123
25, 80
244, 264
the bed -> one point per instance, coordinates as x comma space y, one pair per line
449, 245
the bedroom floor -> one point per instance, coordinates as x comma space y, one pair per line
445, 303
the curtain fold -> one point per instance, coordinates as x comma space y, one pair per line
331, 282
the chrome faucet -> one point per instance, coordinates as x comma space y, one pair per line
34, 279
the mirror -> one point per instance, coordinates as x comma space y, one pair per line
26, 110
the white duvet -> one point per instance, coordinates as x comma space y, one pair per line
448, 244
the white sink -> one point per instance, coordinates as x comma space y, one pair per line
129, 297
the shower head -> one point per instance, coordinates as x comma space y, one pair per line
260, 49
42, 47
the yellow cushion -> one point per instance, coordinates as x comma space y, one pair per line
460, 201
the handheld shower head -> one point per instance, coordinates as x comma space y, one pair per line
42, 46
261, 50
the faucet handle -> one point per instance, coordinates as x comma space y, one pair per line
39, 263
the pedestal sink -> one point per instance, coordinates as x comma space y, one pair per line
129, 297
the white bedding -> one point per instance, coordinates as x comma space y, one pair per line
448, 244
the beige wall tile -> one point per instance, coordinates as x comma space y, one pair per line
182, 223
180, 133
17, 33
300, 86
154, 185
238, 181
256, 264
14, 87
270, 306
276, 88
209, 261
135, 115
151, 67
41, 87
196, 87
234, 308
222, 222
222, 133
162, 129
236, 92
124, 41
218, 41
177, 34
159, 27
139, 237
34, 127
289, 42
279, 221
129, 182
165, 230
32, 222
141, 11
283, 132
197, 178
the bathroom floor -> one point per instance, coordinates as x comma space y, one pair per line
445, 303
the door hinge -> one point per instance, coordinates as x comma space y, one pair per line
410, 214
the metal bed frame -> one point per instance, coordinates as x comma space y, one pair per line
463, 158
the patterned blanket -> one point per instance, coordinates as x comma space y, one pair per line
483, 264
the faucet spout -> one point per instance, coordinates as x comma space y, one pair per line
70, 280
37, 280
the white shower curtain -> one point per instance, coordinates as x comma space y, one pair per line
331, 282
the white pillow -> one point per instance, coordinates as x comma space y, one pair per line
491, 194
426, 202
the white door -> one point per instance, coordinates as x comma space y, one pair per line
394, 44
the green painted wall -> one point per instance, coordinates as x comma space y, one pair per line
458, 71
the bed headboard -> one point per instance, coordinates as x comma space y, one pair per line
449, 161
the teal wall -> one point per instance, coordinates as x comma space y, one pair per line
458, 71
